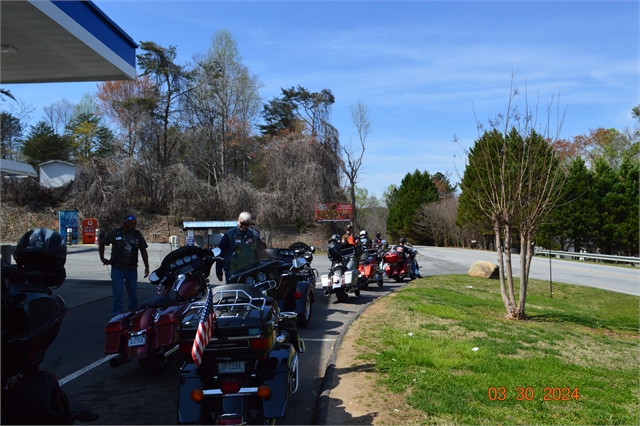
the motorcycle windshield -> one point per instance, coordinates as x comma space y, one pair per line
246, 255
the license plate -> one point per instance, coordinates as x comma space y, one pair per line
137, 340
230, 367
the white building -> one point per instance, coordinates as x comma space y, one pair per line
56, 173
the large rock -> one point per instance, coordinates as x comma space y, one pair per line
484, 269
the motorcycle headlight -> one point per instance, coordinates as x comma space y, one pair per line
262, 276
250, 281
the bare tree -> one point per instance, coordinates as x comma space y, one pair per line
513, 178
352, 158
58, 114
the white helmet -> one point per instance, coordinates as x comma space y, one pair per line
363, 233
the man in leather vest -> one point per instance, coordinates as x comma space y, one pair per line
233, 239
127, 241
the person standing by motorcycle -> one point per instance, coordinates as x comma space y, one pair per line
127, 241
234, 239
407, 253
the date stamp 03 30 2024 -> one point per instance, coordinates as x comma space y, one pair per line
528, 394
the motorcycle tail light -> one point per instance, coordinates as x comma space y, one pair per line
226, 419
262, 343
264, 391
197, 395
230, 386
297, 295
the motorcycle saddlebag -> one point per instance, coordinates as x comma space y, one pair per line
167, 326
325, 281
350, 277
115, 336
38, 400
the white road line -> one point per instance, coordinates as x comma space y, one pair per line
91, 366
80, 372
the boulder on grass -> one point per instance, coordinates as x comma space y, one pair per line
484, 269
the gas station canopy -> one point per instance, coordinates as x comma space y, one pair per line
62, 41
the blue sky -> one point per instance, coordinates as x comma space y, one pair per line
425, 69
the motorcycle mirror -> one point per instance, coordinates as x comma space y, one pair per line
312, 249
216, 251
154, 278
299, 262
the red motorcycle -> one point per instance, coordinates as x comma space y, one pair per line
150, 333
369, 268
398, 263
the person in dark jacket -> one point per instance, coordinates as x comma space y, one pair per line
233, 239
127, 241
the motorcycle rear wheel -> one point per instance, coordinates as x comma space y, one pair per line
154, 368
342, 295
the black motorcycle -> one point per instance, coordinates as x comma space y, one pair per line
31, 318
307, 277
248, 370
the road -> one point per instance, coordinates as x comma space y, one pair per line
127, 395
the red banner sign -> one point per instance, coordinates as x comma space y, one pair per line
333, 212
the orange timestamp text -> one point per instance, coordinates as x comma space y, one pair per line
521, 393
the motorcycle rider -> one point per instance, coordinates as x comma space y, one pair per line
376, 241
364, 240
233, 239
406, 254
348, 238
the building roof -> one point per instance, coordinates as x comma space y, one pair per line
62, 41
56, 162
14, 168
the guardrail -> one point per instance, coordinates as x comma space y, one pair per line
589, 256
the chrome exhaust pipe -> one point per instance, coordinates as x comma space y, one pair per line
161, 356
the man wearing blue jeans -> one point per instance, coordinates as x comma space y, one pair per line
124, 262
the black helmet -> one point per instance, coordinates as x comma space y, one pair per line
41, 254
377, 235
403, 240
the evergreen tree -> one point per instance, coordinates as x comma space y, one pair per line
43, 144
416, 189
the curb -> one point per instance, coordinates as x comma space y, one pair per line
321, 413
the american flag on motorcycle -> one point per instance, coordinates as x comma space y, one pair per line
205, 327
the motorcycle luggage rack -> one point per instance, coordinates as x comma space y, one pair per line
234, 301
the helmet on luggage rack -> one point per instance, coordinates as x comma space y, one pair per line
40, 256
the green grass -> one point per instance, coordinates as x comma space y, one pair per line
584, 339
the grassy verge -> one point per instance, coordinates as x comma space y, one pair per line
444, 344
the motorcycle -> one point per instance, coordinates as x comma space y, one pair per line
343, 275
306, 274
369, 268
397, 263
31, 319
248, 369
149, 334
